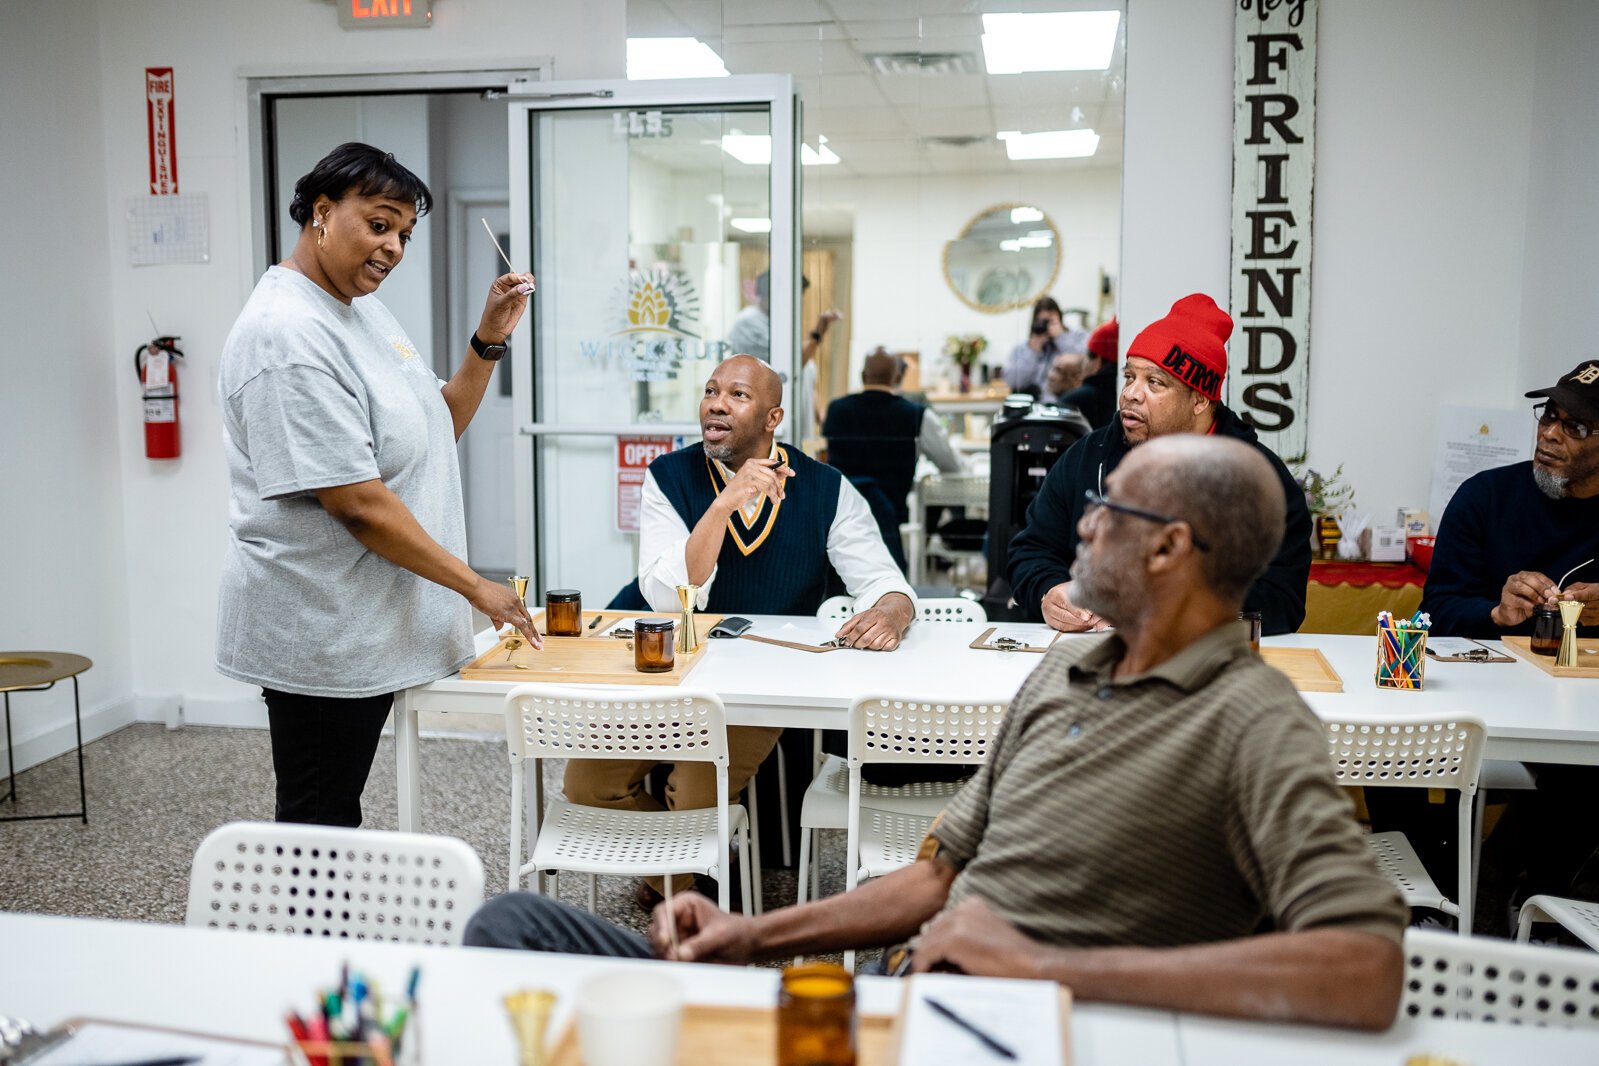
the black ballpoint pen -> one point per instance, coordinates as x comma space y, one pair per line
989, 1042
173, 1060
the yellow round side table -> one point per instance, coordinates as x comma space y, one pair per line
38, 671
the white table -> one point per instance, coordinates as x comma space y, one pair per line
1531, 715
241, 984
765, 685
1218, 1042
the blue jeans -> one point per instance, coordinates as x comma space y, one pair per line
533, 922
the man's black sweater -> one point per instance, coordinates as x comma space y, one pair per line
1496, 524
1041, 554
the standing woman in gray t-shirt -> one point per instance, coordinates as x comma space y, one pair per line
345, 578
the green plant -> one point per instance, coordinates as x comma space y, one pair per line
1326, 494
966, 350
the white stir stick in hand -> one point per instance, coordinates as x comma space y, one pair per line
671, 918
527, 286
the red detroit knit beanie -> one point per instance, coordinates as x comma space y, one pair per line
1102, 342
1190, 343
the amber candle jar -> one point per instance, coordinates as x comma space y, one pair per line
563, 613
816, 1016
1545, 630
652, 645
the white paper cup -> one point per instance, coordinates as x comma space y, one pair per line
629, 1018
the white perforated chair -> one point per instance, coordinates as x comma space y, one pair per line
1484, 979
1579, 917
1414, 751
884, 837
667, 724
314, 880
826, 803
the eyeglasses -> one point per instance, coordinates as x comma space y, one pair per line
1095, 500
1571, 427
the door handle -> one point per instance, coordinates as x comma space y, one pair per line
628, 429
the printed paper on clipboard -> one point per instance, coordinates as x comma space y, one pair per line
1463, 650
1015, 638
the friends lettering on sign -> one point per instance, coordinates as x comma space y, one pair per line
1273, 114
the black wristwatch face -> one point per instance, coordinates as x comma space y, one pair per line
490, 352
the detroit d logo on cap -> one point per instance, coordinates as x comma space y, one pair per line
1587, 375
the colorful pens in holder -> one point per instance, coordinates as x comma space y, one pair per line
1401, 650
350, 1026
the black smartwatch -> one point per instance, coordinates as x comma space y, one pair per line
816, 336
490, 352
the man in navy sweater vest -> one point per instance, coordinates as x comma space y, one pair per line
1508, 541
756, 526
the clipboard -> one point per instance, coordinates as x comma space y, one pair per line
1007, 644
1455, 650
76, 1039
813, 648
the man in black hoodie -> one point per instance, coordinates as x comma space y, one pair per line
1171, 383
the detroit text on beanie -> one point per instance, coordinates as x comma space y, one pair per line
1102, 342
1190, 344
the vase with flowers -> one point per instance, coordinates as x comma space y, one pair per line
1326, 496
966, 350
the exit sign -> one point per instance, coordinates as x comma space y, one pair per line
380, 14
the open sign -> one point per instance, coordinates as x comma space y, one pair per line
633, 457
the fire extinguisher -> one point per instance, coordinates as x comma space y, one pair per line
158, 379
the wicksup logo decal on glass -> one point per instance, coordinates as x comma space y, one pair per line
659, 311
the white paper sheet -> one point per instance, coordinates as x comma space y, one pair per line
1031, 635
1022, 1015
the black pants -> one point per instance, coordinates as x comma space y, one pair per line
322, 749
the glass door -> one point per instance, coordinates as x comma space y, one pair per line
660, 220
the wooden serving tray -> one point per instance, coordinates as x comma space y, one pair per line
742, 1036
1307, 668
586, 660
1587, 657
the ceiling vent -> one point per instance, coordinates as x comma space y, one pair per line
928, 64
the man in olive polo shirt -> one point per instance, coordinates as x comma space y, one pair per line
1156, 798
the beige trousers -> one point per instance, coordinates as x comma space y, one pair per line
618, 784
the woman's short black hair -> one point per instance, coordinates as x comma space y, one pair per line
1046, 303
360, 169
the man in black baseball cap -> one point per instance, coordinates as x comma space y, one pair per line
1513, 538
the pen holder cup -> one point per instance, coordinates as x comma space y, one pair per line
344, 1053
1401, 658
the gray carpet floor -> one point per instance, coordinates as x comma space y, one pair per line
154, 794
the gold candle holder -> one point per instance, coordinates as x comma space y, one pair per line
1570, 611
688, 641
530, 1019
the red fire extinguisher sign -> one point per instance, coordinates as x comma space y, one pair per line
158, 380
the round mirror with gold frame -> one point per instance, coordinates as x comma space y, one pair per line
1005, 258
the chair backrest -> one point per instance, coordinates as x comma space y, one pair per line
947, 609
950, 609
1489, 980
1415, 751
887, 729
314, 880
836, 608
563, 722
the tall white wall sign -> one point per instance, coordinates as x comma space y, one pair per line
1274, 156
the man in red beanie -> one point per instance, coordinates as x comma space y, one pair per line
1096, 396
1171, 384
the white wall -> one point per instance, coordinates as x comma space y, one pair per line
62, 376
1560, 286
899, 295
1454, 225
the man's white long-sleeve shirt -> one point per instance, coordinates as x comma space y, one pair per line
854, 547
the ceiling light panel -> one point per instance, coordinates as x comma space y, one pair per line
1050, 144
1060, 40
652, 58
